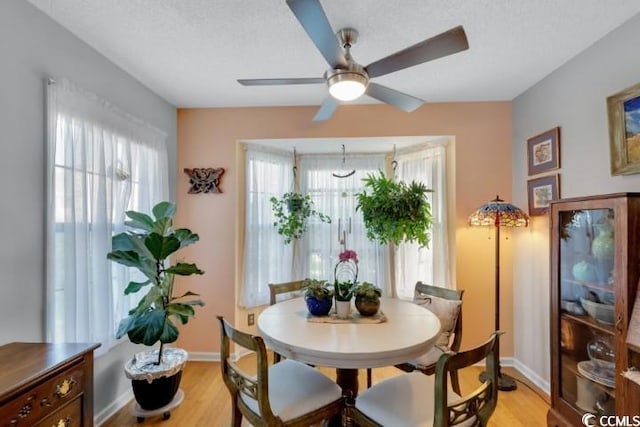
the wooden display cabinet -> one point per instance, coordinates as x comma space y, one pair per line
595, 267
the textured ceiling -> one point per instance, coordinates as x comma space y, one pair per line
191, 52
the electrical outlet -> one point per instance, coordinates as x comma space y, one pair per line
251, 319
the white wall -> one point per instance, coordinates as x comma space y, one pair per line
574, 98
32, 46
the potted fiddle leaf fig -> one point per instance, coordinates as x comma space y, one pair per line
394, 211
292, 212
148, 246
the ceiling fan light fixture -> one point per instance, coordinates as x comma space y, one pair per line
347, 85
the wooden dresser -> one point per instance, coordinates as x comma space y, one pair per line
45, 384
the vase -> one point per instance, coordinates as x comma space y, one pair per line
343, 309
318, 307
367, 307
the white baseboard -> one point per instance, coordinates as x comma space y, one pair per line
114, 407
203, 356
536, 379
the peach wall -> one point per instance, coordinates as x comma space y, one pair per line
207, 138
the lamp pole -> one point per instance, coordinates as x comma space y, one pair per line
499, 214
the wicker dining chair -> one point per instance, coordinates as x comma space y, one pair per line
288, 393
413, 399
447, 305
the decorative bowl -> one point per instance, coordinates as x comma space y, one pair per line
603, 313
601, 354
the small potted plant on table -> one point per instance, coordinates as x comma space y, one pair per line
155, 374
367, 298
345, 276
318, 296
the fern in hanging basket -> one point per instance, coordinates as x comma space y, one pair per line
292, 212
395, 212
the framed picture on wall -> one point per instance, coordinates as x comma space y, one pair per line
623, 110
543, 151
541, 191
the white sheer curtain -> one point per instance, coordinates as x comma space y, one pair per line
319, 248
100, 162
431, 265
266, 258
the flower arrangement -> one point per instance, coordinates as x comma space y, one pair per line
345, 275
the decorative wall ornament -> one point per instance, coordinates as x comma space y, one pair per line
204, 180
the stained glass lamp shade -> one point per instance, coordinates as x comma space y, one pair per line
498, 213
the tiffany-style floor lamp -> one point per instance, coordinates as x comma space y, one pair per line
498, 213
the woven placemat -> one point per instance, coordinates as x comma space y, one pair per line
355, 317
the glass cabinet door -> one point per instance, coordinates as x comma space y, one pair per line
587, 313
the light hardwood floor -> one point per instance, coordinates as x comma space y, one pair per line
207, 402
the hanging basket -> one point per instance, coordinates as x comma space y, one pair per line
395, 212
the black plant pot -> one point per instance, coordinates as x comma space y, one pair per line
157, 393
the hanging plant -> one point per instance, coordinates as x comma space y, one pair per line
395, 212
292, 212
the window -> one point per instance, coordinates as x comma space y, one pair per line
101, 162
335, 197
431, 265
268, 260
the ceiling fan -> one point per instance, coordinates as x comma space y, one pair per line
348, 80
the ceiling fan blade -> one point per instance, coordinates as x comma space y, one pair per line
326, 110
447, 43
401, 100
315, 23
285, 81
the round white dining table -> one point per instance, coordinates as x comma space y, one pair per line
408, 332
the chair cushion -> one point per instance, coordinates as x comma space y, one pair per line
296, 389
446, 310
404, 401
429, 358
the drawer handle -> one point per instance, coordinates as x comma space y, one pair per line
65, 387
63, 422
25, 410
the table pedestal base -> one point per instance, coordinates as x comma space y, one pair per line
347, 379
